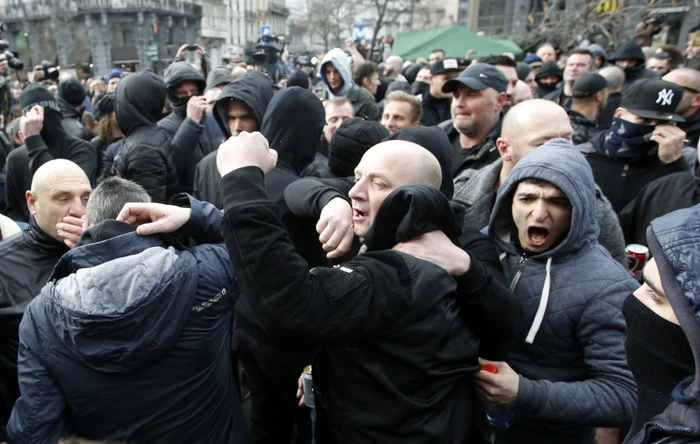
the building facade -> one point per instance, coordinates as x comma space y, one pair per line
214, 29
104, 33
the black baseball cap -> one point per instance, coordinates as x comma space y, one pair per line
589, 85
443, 66
478, 76
653, 99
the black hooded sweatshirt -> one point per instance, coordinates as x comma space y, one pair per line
255, 90
191, 141
71, 120
28, 259
631, 50
52, 143
495, 311
145, 158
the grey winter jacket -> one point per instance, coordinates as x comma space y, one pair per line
569, 351
475, 190
362, 100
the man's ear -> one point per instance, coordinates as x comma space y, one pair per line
31, 202
618, 112
600, 96
501, 101
503, 149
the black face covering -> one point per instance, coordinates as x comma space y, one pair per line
543, 90
659, 356
178, 105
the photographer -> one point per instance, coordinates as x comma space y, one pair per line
186, 49
648, 27
5, 97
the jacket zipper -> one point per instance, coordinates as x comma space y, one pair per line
519, 268
625, 170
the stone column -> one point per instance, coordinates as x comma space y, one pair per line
144, 31
63, 35
100, 43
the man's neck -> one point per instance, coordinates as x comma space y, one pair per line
568, 88
470, 141
690, 112
590, 111
505, 171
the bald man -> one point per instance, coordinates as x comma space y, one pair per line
526, 127
522, 92
547, 53
392, 69
616, 79
381, 322
689, 108
56, 201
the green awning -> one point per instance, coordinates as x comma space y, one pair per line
456, 41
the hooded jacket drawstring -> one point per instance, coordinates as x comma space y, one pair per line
544, 298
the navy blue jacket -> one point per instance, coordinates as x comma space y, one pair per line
130, 340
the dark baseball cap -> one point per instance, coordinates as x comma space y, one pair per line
478, 76
589, 85
653, 99
443, 66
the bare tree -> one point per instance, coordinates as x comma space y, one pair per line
388, 12
426, 15
330, 19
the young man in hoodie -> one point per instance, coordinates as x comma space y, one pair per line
71, 100
547, 79
194, 131
240, 107
663, 314
337, 79
45, 139
689, 108
643, 143
630, 57
566, 373
129, 339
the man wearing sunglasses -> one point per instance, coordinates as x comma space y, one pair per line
689, 107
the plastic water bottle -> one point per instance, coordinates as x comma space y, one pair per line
498, 417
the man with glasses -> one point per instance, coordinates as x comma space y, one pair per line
689, 108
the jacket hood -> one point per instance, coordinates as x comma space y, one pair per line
340, 62
409, 212
293, 125
434, 140
219, 76
139, 101
254, 89
180, 72
674, 242
299, 78
598, 50
560, 164
120, 303
68, 111
350, 142
629, 50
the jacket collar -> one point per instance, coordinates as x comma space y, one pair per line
40, 241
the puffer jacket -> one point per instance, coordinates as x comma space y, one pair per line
673, 241
145, 158
70, 119
474, 190
569, 351
254, 89
129, 341
584, 129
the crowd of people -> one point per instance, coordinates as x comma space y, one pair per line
452, 250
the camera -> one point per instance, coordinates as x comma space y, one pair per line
50, 71
11, 57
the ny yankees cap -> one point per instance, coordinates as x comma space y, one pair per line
653, 99
478, 76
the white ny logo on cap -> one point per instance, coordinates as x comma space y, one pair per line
665, 97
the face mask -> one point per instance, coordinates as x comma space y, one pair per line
179, 105
627, 140
543, 90
658, 354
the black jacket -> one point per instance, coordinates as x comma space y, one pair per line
107, 164
101, 150
475, 157
28, 258
630, 50
691, 126
70, 119
656, 199
145, 158
621, 180
584, 129
435, 111
395, 358
52, 143
605, 118
190, 141
253, 89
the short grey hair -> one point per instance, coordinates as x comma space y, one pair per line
108, 199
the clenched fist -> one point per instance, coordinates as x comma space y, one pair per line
32, 122
246, 149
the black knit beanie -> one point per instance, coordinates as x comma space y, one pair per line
104, 106
37, 95
72, 92
549, 69
350, 142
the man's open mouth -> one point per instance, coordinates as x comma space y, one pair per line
537, 236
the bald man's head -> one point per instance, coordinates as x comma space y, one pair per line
522, 92
530, 124
384, 168
60, 188
615, 77
689, 80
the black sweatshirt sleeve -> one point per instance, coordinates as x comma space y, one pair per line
307, 197
490, 307
80, 152
350, 303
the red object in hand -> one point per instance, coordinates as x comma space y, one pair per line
489, 368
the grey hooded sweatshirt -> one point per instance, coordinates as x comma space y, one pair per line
569, 351
362, 100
